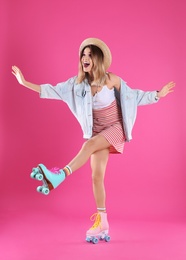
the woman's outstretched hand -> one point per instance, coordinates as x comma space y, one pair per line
18, 74
166, 90
20, 78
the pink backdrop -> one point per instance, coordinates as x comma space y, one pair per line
148, 47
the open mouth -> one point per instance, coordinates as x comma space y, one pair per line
86, 64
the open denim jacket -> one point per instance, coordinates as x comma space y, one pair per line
79, 99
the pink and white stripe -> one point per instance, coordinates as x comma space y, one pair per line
108, 122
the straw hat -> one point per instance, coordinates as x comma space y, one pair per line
100, 44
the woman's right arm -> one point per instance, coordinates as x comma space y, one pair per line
20, 78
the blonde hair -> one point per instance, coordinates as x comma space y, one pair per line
98, 76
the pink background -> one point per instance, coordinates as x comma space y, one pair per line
147, 41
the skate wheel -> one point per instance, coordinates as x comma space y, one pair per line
88, 239
107, 238
34, 172
32, 175
95, 240
39, 189
38, 176
43, 190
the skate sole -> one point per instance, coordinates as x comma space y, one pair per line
101, 236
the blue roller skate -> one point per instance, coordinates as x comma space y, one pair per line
50, 178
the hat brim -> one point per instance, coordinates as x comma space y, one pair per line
100, 44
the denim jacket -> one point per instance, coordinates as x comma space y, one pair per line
78, 97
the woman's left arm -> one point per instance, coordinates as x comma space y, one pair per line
151, 97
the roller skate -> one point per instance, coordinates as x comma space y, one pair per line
100, 228
50, 178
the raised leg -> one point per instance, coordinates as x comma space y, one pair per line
95, 144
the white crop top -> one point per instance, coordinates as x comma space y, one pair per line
103, 98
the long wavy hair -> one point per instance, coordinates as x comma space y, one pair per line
98, 73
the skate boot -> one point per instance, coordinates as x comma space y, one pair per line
100, 228
50, 178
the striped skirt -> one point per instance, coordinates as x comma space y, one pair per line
108, 122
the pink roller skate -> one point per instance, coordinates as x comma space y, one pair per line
50, 178
100, 229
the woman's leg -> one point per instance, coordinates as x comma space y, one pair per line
100, 227
99, 161
93, 145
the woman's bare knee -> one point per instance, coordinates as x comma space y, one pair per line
89, 143
95, 143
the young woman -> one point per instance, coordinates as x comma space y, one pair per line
106, 110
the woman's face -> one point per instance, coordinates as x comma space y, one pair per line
86, 60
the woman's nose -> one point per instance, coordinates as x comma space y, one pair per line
86, 58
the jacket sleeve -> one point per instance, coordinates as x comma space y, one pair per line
59, 91
145, 97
